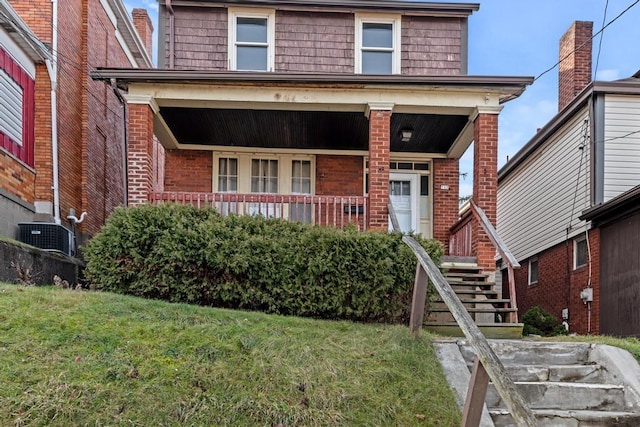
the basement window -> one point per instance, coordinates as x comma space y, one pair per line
533, 271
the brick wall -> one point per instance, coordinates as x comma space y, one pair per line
574, 70
431, 46
339, 175
559, 285
485, 185
320, 42
16, 178
445, 202
188, 171
379, 152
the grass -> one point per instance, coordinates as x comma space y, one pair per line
632, 345
87, 358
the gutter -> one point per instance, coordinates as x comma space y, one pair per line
172, 38
52, 69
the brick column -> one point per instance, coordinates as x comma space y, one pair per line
446, 190
485, 184
379, 148
140, 153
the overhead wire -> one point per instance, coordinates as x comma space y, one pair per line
604, 19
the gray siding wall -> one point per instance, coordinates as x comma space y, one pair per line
431, 46
12, 212
314, 42
546, 194
200, 38
622, 155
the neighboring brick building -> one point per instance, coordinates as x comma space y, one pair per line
584, 159
88, 128
316, 111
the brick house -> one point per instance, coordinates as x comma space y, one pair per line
317, 111
63, 149
556, 194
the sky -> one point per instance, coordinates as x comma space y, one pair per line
520, 38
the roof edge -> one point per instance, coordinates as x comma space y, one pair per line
435, 8
34, 47
131, 37
627, 201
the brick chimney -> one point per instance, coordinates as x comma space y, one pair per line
144, 27
575, 61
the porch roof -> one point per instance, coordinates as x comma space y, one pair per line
247, 110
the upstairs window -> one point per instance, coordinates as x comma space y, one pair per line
377, 44
251, 39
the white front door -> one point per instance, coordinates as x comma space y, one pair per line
403, 193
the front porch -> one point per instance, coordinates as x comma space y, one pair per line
328, 150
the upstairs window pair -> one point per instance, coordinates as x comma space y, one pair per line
252, 41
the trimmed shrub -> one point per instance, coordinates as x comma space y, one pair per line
537, 321
184, 254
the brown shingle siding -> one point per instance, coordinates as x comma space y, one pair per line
431, 46
314, 42
200, 38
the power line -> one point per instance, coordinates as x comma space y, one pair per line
604, 18
591, 38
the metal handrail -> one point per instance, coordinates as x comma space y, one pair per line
505, 386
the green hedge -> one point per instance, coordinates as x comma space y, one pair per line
183, 254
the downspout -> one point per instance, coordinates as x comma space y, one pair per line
52, 69
171, 34
125, 150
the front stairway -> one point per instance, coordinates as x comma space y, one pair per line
564, 384
494, 315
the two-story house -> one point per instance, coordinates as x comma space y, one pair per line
316, 111
567, 200
61, 132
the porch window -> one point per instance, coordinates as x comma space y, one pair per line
227, 175
580, 252
264, 176
377, 44
251, 40
533, 271
301, 184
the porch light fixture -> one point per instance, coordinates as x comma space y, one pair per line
406, 134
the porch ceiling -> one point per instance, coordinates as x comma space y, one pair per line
318, 130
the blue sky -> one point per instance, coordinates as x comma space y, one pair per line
520, 38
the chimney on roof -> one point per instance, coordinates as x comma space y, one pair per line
144, 27
575, 61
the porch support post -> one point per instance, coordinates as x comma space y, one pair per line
485, 183
140, 149
379, 151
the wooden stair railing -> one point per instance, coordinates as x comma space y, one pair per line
487, 364
504, 252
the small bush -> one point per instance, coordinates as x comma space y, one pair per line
183, 254
537, 321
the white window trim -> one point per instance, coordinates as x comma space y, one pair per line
377, 18
285, 169
270, 15
537, 261
575, 252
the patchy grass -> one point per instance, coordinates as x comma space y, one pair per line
86, 358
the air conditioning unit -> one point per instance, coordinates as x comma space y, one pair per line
47, 236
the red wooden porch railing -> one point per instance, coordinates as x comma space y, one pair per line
336, 211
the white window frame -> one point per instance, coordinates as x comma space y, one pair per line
270, 16
285, 169
531, 261
581, 238
376, 18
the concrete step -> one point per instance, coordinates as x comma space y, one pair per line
534, 353
499, 331
555, 418
554, 373
565, 396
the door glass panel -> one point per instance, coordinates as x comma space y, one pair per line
401, 199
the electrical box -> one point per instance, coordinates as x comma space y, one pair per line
47, 236
587, 295
565, 313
